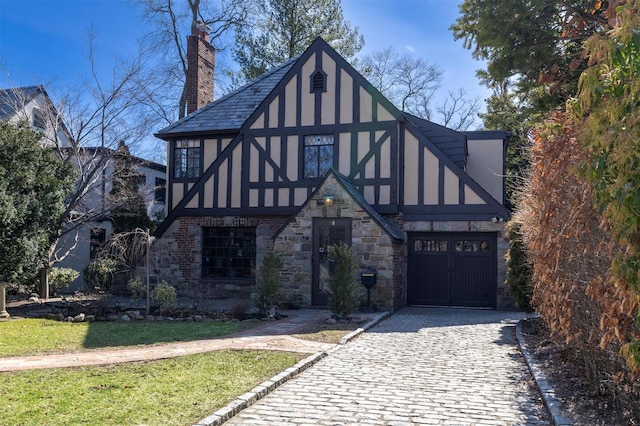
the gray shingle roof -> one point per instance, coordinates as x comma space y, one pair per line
230, 112
12, 98
450, 142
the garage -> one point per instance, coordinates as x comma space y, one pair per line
452, 269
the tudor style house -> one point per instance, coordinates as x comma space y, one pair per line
311, 154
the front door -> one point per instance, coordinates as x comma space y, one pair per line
326, 232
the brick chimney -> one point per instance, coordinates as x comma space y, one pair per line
200, 64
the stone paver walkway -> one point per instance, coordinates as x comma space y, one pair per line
271, 336
421, 366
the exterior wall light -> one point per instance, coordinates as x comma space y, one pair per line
328, 199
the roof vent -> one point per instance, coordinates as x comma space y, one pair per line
319, 81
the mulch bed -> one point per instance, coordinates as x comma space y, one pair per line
581, 402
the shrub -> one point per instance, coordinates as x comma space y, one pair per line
343, 287
590, 312
164, 295
60, 278
137, 289
268, 285
99, 273
519, 269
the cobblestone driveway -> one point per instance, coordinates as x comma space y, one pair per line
421, 366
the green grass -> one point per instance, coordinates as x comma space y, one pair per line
328, 333
40, 336
177, 391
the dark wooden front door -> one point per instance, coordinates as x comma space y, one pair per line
452, 269
326, 232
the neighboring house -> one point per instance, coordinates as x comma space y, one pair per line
79, 247
33, 105
86, 242
311, 154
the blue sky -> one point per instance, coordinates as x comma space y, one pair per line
44, 42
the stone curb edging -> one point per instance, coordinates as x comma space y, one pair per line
355, 333
260, 391
263, 389
548, 394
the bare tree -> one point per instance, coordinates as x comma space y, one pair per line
407, 81
173, 20
412, 83
457, 111
84, 126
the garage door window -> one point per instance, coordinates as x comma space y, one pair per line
430, 245
471, 246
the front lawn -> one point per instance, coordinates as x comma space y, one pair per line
40, 336
176, 391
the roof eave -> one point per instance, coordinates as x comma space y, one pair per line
173, 135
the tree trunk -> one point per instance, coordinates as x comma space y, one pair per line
3, 302
44, 283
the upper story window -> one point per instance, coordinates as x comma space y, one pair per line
186, 157
318, 155
39, 119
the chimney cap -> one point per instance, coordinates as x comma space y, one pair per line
200, 26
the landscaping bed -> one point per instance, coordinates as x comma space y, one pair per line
581, 402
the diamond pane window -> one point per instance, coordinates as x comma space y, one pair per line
318, 155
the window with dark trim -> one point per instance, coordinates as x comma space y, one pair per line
186, 158
96, 239
318, 155
228, 252
39, 118
160, 190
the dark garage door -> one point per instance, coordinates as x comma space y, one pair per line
447, 269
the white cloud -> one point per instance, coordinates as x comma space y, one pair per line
410, 48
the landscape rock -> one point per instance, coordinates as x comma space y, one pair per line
90, 318
125, 318
135, 315
79, 318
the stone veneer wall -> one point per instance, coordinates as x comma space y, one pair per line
177, 256
371, 244
504, 300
